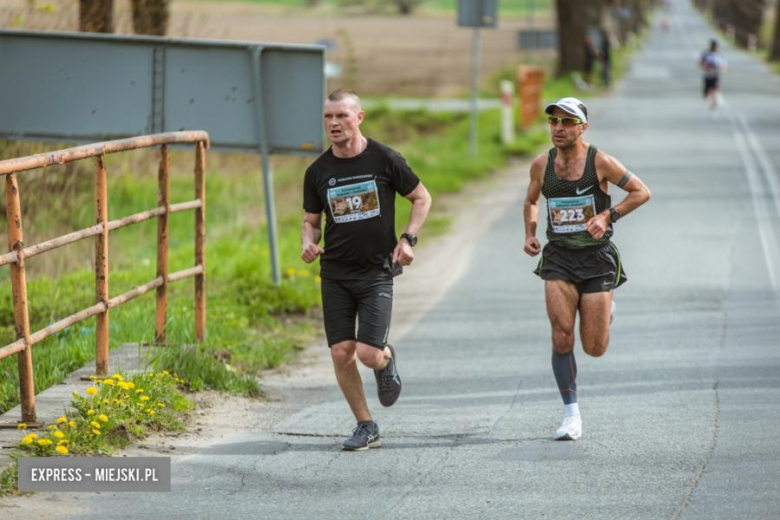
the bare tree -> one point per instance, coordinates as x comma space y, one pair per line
774, 48
151, 17
571, 35
406, 6
96, 16
745, 16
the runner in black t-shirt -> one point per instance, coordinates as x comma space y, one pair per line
354, 183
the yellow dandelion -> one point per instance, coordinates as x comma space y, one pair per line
161, 405
27, 440
63, 442
105, 401
118, 377
51, 427
92, 390
33, 435
144, 398
122, 385
165, 373
115, 401
21, 426
109, 382
290, 272
96, 432
72, 424
59, 434
139, 391
95, 424
90, 412
44, 442
130, 385
151, 412
103, 418
140, 405
62, 419
62, 450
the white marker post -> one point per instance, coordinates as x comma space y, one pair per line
507, 112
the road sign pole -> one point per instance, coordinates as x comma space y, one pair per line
268, 183
475, 51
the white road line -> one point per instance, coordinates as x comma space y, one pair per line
764, 216
770, 174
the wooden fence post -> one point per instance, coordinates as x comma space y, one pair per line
101, 267
162, 246
200, 241
19, 288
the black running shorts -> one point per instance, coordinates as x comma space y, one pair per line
592, 269
370, 301
710, 84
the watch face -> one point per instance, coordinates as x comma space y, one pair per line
411, 238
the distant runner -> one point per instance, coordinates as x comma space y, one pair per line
713, 64
579, 264
355, 184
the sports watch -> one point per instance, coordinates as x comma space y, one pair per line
412, 239
613, 215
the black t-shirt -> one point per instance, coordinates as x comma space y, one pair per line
357, 195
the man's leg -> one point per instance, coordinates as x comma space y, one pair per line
594, 322
351, 384
562, 298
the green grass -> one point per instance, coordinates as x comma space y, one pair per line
251, 323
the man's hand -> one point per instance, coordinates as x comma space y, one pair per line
310, 252
598, 225
532, 246
403, 254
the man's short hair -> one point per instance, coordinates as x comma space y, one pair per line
343, 93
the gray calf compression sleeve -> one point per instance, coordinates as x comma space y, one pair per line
565, 369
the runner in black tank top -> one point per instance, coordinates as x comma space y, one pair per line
580, 265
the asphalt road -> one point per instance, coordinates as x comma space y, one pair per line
680, 416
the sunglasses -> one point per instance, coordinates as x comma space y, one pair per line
565, 121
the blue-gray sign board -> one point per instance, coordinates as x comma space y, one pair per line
90, 87
477, 13
537, 39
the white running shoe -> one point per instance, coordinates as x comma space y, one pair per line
612, 312
570, 430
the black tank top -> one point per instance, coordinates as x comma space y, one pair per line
570, 204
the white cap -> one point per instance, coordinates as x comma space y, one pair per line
571, 106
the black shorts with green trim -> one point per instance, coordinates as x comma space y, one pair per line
592, 269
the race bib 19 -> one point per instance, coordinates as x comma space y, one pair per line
354, 202
570, 214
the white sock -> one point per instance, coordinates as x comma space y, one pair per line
571, 409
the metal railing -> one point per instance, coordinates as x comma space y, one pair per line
103, 303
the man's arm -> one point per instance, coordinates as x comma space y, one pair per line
613, 171
311, 232
531, 206
421, 205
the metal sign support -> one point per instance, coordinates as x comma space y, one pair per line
268, 182
476, 43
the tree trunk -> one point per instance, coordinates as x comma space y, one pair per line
150, 17
96, 16
774, 48
571, 35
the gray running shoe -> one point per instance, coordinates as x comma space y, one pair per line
388, 382
364, 436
